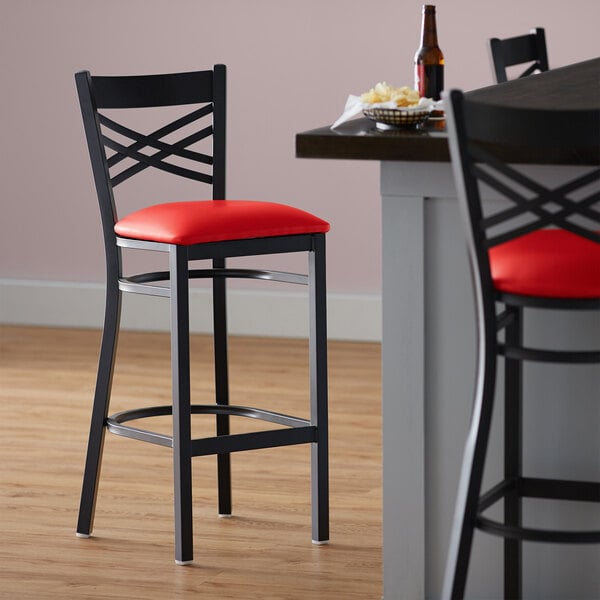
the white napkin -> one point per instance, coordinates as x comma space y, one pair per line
355, 106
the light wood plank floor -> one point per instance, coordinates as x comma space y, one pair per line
264, 551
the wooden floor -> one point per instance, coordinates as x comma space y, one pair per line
263, 552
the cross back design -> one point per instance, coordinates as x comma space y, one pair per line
535, 67
536, 206
164, 150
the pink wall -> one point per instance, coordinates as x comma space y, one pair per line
291, 66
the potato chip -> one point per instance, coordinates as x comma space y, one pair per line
383, 92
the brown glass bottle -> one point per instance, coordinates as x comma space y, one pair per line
429, 60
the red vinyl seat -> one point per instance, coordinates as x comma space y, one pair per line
550, 263
202, 221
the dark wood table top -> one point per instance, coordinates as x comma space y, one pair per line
576, 86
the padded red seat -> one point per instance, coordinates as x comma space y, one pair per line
550, 263
201, 221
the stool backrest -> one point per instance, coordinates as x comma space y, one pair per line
529, 48
118, 152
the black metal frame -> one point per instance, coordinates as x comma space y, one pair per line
208, 89
529, 48
478, 133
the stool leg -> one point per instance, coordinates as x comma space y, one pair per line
180, 365
469, 486
318, 392
222, 385
513, 456
91, 475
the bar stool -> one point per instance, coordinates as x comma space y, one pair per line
211, 229
539, 249
529, 48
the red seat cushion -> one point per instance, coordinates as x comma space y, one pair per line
550, 263
200, 221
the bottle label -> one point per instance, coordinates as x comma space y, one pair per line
429, 80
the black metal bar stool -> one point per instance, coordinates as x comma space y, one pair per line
212, 229
529, 48
539, 249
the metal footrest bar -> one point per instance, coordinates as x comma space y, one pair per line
279, 276
139, 284
238, 442
549, 489
559, 489
498, 492
114, 424
299, 431
504, 319
559, 356
537, 535
126, 284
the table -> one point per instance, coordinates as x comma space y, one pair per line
428, 356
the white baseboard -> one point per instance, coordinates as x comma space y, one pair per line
261, 313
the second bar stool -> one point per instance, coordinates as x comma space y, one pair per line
529, 48
539, 249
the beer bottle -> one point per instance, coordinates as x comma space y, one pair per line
429, 60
